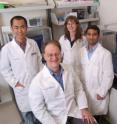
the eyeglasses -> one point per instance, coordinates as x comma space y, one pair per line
54, 55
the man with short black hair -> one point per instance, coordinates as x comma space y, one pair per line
96, 73
20, 61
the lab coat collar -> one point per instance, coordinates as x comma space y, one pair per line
28, 45
98, 48
59, 73
48, 76
48, 71
93, 48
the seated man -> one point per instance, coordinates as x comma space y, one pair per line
56, 94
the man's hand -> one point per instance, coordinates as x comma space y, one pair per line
19, 85
100, 98
87, 116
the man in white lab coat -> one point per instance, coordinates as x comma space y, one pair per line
19, 63
56, 94
96, 73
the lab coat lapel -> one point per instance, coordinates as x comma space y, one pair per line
28, 46
51, 81
95, 54
85, 55
65, 77
93, 57
17, 48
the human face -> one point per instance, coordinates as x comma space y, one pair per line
19, 30
92, 37
52, 55
71, 26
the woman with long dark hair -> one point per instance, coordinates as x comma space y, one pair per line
71, 41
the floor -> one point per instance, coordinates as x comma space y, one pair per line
8, 111
9, 114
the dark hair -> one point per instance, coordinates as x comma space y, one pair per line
54, 42
18, 18
78, 34
94, 27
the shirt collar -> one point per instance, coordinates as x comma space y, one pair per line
53, 73
92, 48
21, 44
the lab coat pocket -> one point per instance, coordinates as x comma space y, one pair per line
34, 56
15, 59
19, 90
33, 53
93, 102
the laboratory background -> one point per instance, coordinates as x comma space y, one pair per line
46, 21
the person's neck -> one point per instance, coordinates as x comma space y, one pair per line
72, 36
90, 46
55, 70
20, 40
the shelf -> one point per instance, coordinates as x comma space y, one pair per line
61, 4
60, 23
88, 20
29, 7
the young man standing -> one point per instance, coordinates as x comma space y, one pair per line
96, 73
20, 62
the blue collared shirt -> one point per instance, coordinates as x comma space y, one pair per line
58, 76
91, 50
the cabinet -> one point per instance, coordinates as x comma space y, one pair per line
86, 11
48, 4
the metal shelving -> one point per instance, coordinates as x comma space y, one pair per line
29, 7
60, 23
61, 4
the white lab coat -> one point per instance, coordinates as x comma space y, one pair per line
17, 66
97, 77
50, 104
70, 53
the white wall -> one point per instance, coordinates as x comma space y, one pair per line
108, 12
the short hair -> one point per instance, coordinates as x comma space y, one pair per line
78, 29
18, 18
54, 42
94, 27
